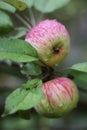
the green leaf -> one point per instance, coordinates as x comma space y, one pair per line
79, 72
17, 4
24, 98
6, 24
29, 3
17, 46
80, 78
7, 7
17, 57
17, 50
31, 69
47, 6
80, 67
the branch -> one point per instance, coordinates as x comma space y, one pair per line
23, 21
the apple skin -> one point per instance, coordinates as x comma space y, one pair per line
60, 97
51, 40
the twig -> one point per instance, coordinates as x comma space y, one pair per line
45, 76
40, 17
82, 89
23, 21
26, 18
32, 17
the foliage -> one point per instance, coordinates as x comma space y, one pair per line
7, 7
50, 5
18, 57
17, 4
30, 90
6, 24
79, 73
20, 52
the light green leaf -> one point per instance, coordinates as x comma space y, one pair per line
24, 98
80, 78
79, 72
29, 3
6, 24
18, 4
47, 6
17, 46
17, 57
7, 7
80, 67
17, 50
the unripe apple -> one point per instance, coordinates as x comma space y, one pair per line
60, 97
51, 40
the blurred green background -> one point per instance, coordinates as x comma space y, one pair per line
74, 17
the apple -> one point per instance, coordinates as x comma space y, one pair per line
51, 40
60, 97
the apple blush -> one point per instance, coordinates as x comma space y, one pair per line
60, 97
51, 40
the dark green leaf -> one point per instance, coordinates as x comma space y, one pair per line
6, 24
24, 98
80, 78
31, 69
46, 6
17, 4
17, 50
7, 7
